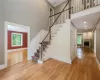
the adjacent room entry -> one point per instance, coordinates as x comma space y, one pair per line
79, 40
17, 40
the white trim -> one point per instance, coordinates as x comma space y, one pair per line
95, 42
98, 63
12, 50
40, 62
2, 67
6, 39
66, 61
14, 24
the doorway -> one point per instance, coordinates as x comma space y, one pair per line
80, 40
17, 39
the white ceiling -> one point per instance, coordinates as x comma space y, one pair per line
89, 19
56, 2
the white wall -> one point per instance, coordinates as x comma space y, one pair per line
87, 35
55, 28
60, 44
33, 13
2, 19
98, 40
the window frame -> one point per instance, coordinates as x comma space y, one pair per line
12, 40
81, 39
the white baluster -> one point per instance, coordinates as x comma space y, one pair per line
65, 15
83, 4
98, 2
86, 4
77, 5
74, 6
80, 5
93, 3
89, 4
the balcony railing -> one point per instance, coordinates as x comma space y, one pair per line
80, 5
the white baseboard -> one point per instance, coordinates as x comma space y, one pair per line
45, 59
66, 61
98, 63
16, 49
29, 58
2, 66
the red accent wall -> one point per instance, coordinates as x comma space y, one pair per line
25, 35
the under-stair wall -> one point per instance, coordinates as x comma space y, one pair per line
59, 48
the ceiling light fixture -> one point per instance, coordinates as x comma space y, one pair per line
85, 26
85, 22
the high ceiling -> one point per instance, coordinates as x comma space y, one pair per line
56, 2
86, 23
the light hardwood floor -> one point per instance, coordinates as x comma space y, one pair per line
15, 57
83, 68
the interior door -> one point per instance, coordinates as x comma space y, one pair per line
73, 45
95, 42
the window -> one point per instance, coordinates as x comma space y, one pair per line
79, 39
17, 39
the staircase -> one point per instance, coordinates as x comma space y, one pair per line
46, 45
57, 32
36, 55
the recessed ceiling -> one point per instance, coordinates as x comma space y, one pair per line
56, 2
86, 23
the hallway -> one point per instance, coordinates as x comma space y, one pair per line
83, 68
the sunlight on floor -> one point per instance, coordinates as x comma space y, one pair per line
17, 57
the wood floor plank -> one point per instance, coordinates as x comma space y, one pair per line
82, 68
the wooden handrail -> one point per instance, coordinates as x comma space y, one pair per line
56, 20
